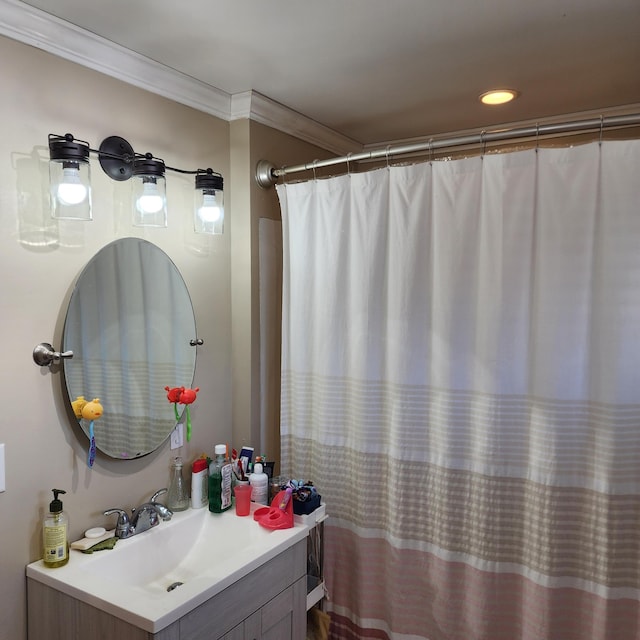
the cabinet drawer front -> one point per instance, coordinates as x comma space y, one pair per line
218, 616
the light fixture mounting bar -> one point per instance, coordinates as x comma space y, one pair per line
116, 158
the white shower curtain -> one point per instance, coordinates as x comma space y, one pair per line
461, 380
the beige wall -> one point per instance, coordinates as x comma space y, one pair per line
42, 94
250, 143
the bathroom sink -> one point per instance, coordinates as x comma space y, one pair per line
156, 577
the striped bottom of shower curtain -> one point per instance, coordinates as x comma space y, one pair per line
425, 596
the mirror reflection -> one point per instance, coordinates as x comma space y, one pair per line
129, 324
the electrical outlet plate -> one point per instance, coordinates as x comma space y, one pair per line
177, 436
2, 480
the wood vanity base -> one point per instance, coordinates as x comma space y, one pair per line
267, 604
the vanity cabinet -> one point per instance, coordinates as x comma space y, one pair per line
277, 620
269, 603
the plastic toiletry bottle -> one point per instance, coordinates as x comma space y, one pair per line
220, 472
177, 498
259, 485
55, 534
199, 483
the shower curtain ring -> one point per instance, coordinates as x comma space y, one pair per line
387, 156
430, 150
348, 166
314, 170
537, 137
483, 144
601, 129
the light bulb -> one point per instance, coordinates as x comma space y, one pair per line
71, 191
150, 201
210, 210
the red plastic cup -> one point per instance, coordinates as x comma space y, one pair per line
242, 493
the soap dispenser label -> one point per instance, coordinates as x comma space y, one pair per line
55, 543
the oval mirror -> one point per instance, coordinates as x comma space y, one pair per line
129, 324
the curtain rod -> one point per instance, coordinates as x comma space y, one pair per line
267, 174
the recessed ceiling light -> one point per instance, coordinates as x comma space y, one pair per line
498, 96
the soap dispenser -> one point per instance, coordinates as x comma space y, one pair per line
55, 534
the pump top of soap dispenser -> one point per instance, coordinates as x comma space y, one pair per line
55, 506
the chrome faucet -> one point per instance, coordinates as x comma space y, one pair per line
124, 528
143, 518
163, 511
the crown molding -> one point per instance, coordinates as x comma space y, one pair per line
44, 31
41, 30
259, 108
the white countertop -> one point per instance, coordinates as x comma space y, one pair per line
207, 552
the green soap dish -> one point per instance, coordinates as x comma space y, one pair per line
109, 543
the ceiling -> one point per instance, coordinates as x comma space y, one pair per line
377, 71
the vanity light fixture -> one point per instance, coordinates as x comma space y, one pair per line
69, 178
498, 96
70, 184
209, 203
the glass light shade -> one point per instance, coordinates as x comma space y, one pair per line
149, 201
70, 190
209, 203
209, 212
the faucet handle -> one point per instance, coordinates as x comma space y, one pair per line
123, 527
159, 492
163, 511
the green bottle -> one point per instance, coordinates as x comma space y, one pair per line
220, 473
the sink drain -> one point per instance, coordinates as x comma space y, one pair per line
174, 585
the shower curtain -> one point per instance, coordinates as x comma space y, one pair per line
461, 381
